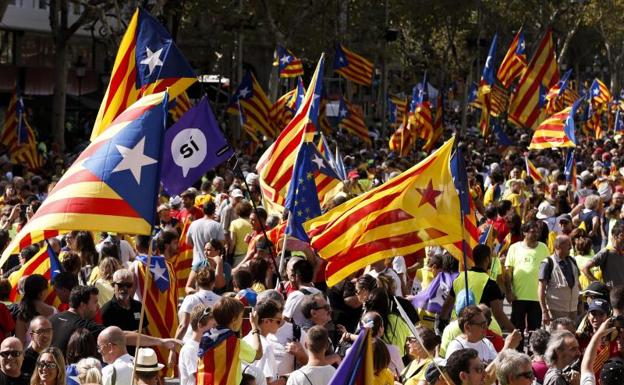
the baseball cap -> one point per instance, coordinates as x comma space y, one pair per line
565, 217
236, 193
597, 289
432, 374
599, 304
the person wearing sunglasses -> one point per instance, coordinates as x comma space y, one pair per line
50, 368
464, 367
473, 325
40, 331
11, 359
122, 309
269, 321
514, 368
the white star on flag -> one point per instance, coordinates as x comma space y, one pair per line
243, 93
134, 159
159, 272
318, 161
285, 59
152, 60
343, 112
521, 45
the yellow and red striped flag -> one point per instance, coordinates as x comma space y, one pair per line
289, 65
420, 117
161, 302
219, 361
276, 164
147, 62
252, 104
283, 110
183, 260
397, 107
113, 185
514, 62
19, 136
182, 105
554, 131
600, 95
532, 171
542, 71
352, 66
44, 263
418, 208
438, 125
350, 119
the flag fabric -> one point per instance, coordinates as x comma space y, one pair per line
350, 119
532, 171
542, 71
487, 237
432, 298
283, 110
570, 169
182, 105
113, 185
192, 146
340, 166
250, 101
418, 208
289, 65
462, 249
555, 131
161, 302
420, 118
18, 136
397, 107
302, 201
44, 263
501, 137
357, 366
618, 124
485, 89
183, 261
275, 166
599, 94
498, 103
514, 62
402, 138
438, 125
219, 360
352, 66
147, 62
555, 100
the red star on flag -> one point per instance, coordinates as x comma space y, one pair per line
428, 195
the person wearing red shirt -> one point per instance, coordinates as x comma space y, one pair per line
188, 211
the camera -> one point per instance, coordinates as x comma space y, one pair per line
618, 322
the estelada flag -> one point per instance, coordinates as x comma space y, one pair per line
418, 208
114, 183
147, 62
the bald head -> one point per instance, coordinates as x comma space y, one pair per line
12, 357
11, 343
40, 322
563, 244
113, 335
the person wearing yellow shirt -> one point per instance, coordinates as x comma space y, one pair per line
239, 228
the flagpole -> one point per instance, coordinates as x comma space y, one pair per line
146, 283
255, 208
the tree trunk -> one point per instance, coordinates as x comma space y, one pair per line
60, 94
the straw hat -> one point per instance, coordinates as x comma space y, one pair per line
146, 361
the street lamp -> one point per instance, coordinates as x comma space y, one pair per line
81, 68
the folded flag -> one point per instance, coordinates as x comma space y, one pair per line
357, 367
219, 360
432, 298
532, 171
147, 62
113, 185
192, 146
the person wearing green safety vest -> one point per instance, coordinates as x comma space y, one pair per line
484, 289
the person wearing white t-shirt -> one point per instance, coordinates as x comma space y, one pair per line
201, 321
269, 320
300, 277
316, 372
111, 343
205, 280
474, 325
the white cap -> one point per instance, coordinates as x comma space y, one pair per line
545, 210
236, 193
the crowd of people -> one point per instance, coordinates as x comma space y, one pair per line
543, 302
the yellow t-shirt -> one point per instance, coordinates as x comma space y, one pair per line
385, 377
239, 228
581, 261
420, 373
525, 263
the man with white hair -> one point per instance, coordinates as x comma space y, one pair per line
562, 350
123, 310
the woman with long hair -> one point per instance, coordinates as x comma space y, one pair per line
50, 368
107, 267
214, 255
32, 304
82, 243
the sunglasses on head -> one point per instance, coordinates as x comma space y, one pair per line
10, 354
